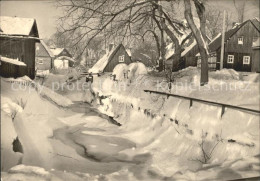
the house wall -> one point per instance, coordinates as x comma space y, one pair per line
190, 58
115, 59
46, 63
42, 55
22, 49
248, 31
256, 61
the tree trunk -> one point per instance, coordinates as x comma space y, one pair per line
200, 42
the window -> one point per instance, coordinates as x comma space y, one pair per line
122, 58
40, 61
255, 41
246, 60
230, 59
240, 40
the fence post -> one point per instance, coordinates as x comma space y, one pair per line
191, 103
222, 110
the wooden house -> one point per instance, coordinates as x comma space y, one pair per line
115, 56
44, 57
62, 54
17, 42
238, 51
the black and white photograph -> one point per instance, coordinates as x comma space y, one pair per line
130, 90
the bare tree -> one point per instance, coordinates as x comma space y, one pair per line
119, 20
199, 34
240, 9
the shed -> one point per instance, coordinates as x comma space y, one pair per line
61, 54
114, 57
44, 57
17, 42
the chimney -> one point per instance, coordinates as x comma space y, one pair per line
110, 47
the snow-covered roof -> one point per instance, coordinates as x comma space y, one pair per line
102, 62
169, 51
47, 48
129, 52
189, 48
56, 51
16, 25
12, 61
65, 58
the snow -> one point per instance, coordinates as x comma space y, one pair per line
61, 64
135, 69
12, 61
129, 52
159, 137
66, 58
29, 170
189, 48
8, 106
178, 141
56, 51
16, 25
53, 96
42, 72
169, 51
120, 71
102, 62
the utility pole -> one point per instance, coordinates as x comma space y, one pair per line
223, 41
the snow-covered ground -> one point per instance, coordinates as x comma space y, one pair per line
160, 138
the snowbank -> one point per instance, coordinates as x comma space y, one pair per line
168, 125
135, 69
42, 73
53, 96
12, 61
120, 71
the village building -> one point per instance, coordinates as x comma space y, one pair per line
188, 55
113, 57
18, 37
62, 58
239, 51
44, 57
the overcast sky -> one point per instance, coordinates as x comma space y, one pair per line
46, 13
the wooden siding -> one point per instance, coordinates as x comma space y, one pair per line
256, 61
46, 63
248, 32
114, 59
22, 49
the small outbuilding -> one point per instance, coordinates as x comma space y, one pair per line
115, 56
17, 46
62, 58
44, 57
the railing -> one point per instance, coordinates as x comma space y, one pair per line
191, 99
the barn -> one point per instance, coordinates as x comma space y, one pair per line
18, 37
115, 56
238, 50
44, 57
